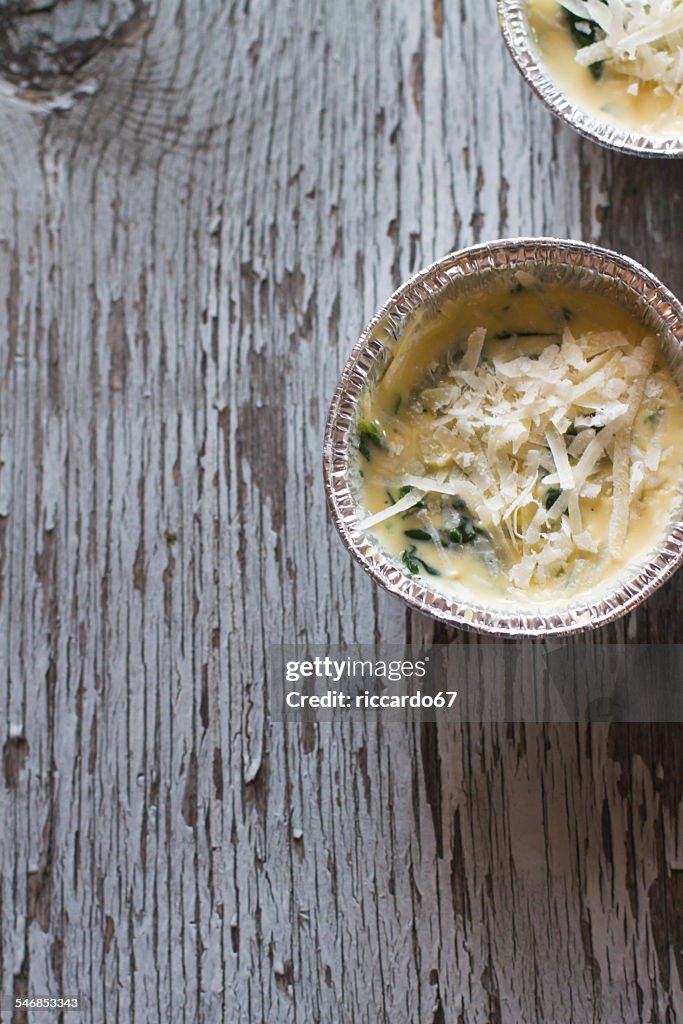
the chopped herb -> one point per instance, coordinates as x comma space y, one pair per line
467, 532
413, 564
392, 499
369, 434
397, 404
584, 33
551, 496
418, 534
653, 418
429, 568
372, 432
597, 69
450, 537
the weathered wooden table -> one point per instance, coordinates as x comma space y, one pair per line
197, 215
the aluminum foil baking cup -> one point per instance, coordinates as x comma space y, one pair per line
512, 15
471, 269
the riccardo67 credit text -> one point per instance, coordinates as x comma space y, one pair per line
347, 701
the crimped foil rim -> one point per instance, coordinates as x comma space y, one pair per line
369, 349
515, 28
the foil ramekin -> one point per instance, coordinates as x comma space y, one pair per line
512, 15
549, 258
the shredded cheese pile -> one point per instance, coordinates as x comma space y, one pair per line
501, 431
643, 37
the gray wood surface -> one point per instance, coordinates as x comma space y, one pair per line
196, 220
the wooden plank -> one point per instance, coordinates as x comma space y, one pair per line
186, 256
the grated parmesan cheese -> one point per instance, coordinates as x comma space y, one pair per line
557, 447
618, 527
505, 430
402, 505
642, 38
475, 344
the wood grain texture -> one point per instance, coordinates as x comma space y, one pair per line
187, 251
